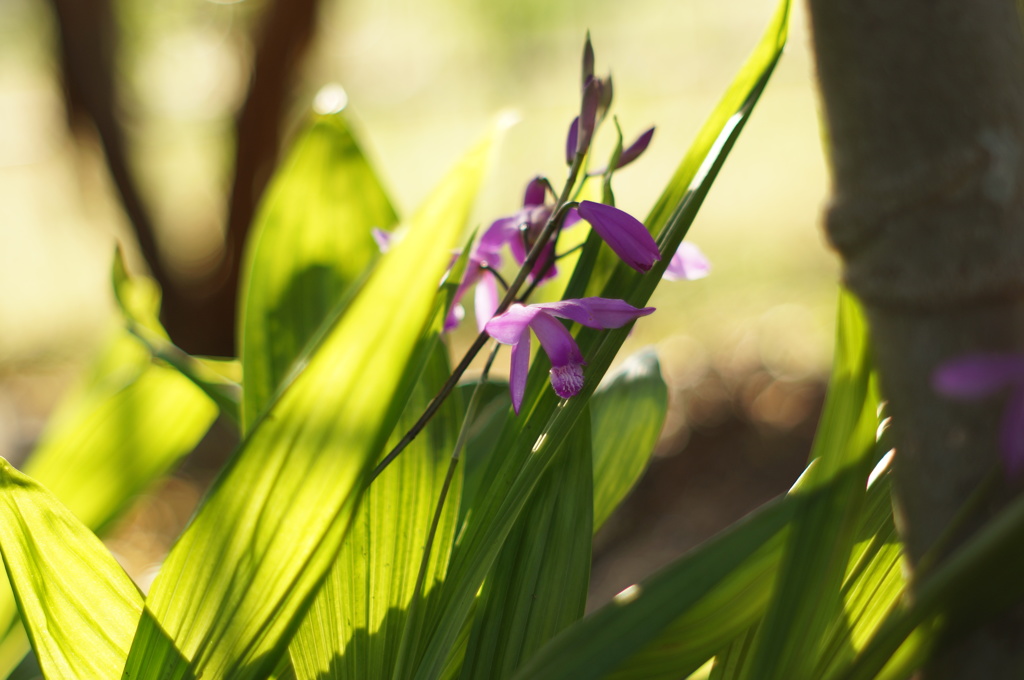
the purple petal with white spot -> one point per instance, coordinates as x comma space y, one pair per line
596, 312
687, 264
625, 234
978, 376
519, 369
633, 151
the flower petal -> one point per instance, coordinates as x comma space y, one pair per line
978, 375
1011, 437
588, 114
556, 339
688, 264
486, 299
571, 140
535, 193
497, 235
633, 151
508, 326
625, 234
519, 369
596, 312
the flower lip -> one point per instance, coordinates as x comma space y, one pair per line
514, 325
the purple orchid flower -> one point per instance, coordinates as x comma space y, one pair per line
688, 264
979, 376
520, 231
625, 234
513, 328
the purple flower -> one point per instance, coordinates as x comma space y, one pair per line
979, 376
521, 230
687, 264
513, 328
625, 234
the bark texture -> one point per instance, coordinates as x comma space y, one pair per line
924, 107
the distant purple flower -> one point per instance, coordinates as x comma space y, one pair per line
625, 234
513, 328
687, 264
979, 376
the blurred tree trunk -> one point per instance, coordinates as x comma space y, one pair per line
199, 314
924, 108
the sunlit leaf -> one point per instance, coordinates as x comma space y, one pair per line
309, 244
628, 413
355, 625
263, 542
538, 585
79, 606
808, 596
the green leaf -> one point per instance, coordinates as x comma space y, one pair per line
123, 427
310, 244
808, 596
629, 411
79, 606
606, 638
528, 441
279, 512
355, 625
538, 585
730, 663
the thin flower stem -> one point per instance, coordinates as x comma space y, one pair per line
495, 274
554, 222
578, 246
421, 577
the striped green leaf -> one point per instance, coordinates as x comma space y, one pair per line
78, 605
629, 411
808, 596
355, 625
238, 583
538, 585
310, 243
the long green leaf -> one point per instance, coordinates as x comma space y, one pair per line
310, 242
123, 427
809, 595
606, 638
79, 606
538, 585
355, 625
528, 443
239, 581
629, 411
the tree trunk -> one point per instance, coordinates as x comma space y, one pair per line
924, 108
